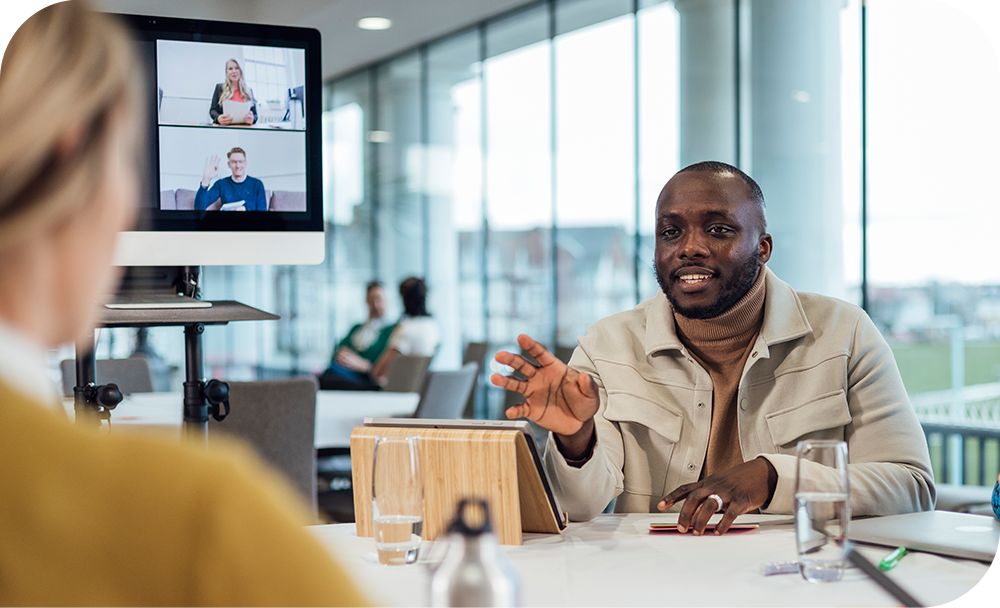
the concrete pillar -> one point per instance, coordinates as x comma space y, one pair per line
793, 136
707, 84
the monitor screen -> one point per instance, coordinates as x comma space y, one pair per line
234, 166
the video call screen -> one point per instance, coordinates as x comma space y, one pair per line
231, 127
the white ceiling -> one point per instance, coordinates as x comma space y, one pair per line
345, 47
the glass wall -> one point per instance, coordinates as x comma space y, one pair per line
517, 116
594, 163
454, 193
934, 281
516, 164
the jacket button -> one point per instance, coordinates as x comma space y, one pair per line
743, 404
701, 404
690, 466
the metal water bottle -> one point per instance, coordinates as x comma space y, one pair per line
474, 572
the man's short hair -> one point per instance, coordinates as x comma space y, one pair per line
376, 284
721, 168
236, 150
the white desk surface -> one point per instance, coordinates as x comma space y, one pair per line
337, 412
613, 561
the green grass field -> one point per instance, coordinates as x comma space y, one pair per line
927, 367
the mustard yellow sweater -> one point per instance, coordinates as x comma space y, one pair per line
95, 519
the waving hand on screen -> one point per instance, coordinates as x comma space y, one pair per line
211, 170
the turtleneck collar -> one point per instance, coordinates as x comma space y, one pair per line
733, 326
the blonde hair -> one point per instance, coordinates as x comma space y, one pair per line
66, 73
227, 87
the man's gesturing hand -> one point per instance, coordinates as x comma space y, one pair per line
742, 489
556, 396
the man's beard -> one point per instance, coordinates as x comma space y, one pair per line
731, 292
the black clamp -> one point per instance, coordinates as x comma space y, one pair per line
217, 395
100, 398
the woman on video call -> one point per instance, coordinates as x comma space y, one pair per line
233, 88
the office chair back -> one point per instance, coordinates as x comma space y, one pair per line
278, 419
407, 374
447, 392
132, 375
475, 352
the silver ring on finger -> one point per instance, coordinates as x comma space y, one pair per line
718, 501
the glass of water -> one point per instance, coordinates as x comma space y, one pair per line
822, 509
397, 500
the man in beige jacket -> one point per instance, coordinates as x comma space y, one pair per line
699, 395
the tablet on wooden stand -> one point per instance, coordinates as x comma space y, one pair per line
494, 460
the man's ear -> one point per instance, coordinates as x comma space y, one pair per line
764, 248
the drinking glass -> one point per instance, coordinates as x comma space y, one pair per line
822, 509
397, 500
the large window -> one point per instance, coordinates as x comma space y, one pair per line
594, 163
518, 149
934, 281
517, 163
454, 190
658, 118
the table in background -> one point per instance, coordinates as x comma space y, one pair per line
337, 412
612, 561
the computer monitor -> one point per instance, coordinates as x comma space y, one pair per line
234, 176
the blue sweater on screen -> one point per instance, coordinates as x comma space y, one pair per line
250, 190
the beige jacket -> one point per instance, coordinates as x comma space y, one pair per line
819, 370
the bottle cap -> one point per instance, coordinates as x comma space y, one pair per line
461, 524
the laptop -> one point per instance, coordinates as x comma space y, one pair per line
942, 532
154, 300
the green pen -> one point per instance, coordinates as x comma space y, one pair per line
889, 561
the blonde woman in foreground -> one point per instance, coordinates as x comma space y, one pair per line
89, 518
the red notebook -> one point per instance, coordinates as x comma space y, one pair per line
663, 528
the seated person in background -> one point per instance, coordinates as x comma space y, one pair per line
233, 88
416, 333
238, 192
356, 354
91, 518
701, 393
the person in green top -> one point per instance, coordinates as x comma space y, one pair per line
351, 364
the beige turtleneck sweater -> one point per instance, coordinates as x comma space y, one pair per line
722, 345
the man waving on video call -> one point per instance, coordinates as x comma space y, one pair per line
695, 399
238, 192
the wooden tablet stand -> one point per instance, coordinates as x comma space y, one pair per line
458, 463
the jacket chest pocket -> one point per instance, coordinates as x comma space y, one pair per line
650, 432
821, 418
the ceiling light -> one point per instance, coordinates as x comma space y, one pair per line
374, 23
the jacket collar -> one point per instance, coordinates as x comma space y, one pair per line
784, 319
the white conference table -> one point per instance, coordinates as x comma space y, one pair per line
337, 412
613, 561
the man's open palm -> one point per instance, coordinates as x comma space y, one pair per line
556, 397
